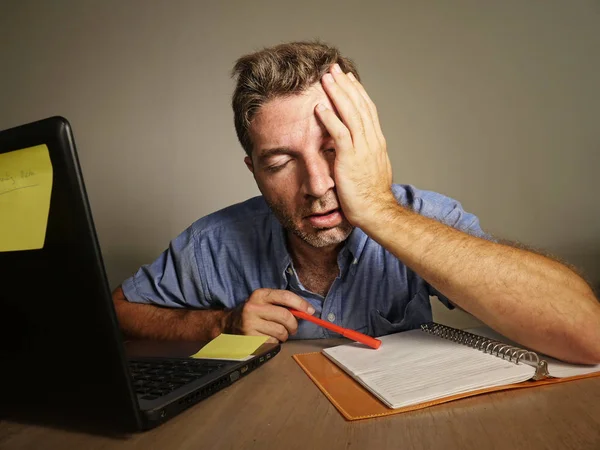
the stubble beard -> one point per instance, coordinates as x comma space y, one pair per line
320, 237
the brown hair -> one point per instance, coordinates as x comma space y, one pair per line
279, 71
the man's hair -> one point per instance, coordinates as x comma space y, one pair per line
280, 71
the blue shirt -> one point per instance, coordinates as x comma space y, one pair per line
223, 257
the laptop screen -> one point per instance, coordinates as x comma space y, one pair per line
58, 328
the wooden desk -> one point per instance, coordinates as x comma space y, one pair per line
279, 407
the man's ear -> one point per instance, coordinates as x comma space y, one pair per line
249, 164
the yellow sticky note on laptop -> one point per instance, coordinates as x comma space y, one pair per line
25, 188
231, 346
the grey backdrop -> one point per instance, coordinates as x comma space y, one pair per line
496, 103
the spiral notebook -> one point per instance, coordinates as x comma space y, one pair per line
420, 368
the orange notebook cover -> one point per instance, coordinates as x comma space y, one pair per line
354, 402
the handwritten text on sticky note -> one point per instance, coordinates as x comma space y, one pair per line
231, 346
25, 188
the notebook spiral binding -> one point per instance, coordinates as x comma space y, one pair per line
491, 346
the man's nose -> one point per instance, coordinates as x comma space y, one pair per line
318, 177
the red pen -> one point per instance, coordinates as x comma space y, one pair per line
350, 334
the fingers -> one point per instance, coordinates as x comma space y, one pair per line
351, 103
347, 83
336, 129
370, 105
284, 298
256, 322
266, 313
349, 112
273, 329
257, 312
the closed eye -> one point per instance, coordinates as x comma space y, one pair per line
277, 167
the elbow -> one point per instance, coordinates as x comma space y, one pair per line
118, 295
588, 346
587, 335
592, 355
579, 355
589, 355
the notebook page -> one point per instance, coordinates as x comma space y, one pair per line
414, 367
556, 368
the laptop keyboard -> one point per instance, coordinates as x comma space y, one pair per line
153, 379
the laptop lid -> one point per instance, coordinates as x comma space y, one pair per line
63, 360
61, 345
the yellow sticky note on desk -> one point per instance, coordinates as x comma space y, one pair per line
231, 346
25, 188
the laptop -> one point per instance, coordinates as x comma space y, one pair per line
63, 356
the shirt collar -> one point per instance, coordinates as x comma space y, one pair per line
356, 243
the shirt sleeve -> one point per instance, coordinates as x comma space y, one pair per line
443, 209
172, 280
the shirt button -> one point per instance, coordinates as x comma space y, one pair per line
331, 317
290, 270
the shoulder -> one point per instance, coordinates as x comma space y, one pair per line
438, 207
235, 218
422, 201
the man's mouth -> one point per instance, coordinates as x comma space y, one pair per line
325, 219
324, 213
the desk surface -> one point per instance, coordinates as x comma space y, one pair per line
278, 406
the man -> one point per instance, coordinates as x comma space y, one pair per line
332, 236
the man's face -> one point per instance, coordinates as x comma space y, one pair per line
293, 165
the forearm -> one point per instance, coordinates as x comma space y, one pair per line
529, 298
140, 321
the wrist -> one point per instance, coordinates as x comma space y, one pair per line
230, 321
205, 325
219, 323
383, 210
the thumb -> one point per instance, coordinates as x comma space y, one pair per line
309, 308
